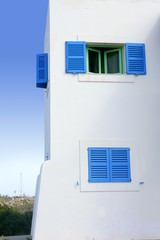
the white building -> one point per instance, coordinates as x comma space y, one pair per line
101, 179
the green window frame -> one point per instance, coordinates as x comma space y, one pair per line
98, 62
103, 52
120, 61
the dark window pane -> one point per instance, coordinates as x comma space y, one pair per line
113, 62
93, 61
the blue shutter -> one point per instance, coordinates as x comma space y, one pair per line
135, 58
120, 165
75, 57
98, 165
42, 70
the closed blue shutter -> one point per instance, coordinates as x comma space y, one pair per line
75, 57
42, 70
98, 159
120, 165
109, 165
135, 58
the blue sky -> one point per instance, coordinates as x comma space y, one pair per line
22, 25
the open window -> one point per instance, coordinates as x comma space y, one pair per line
82, 57
105, 59
94, 60
113, 61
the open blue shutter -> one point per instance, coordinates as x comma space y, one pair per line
42, 70
135, 58
75, 57
120, 164
98, 164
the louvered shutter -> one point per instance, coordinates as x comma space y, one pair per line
98, 165
75, 57
135, 59
120, 165
42, 70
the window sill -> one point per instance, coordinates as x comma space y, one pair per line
110, 78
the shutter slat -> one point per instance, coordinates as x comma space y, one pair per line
135, 58
75, 57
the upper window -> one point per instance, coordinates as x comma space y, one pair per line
105, 58
109, 165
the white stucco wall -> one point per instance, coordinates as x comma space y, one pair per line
101, 110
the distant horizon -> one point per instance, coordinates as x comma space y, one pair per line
24, 196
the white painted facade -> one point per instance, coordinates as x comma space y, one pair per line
100, 110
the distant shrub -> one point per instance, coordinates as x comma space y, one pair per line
14, 223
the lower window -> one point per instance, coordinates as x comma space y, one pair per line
109, 165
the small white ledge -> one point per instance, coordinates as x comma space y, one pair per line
111, 78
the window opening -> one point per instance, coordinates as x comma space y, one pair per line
94, 62
105, 59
